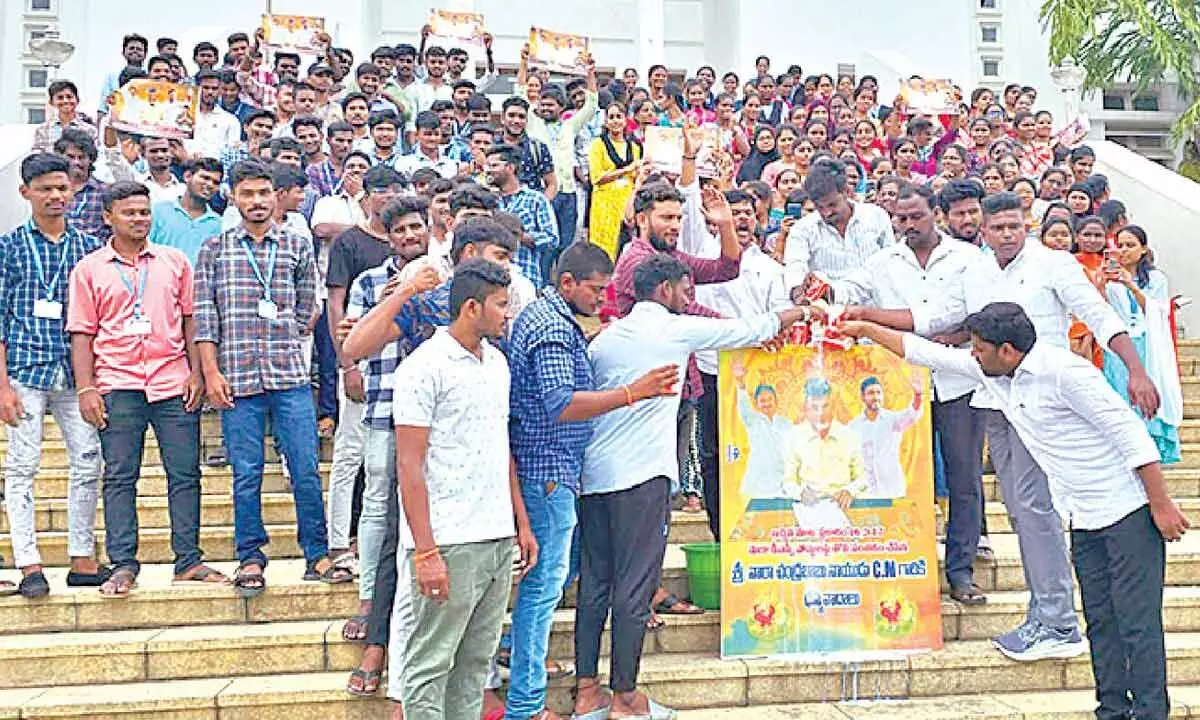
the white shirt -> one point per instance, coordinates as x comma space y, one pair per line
636, 443
120, 169
893, 279
881, 450
417, 160
814, 245
214, 130
766, 439
425, 94
1050, 286
463, 400
1097, 440
339, 209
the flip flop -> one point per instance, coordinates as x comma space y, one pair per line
666, 606
600, 713
358, 622
202, 575
368, 677
8, 589
333, 575
969, 595
120, 584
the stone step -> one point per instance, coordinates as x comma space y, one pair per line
948, 683
210, 427
54, 452
52, 483
1182, 483
998, 521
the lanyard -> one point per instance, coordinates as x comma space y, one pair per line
265, 282
143, 273
333, 183
47, 285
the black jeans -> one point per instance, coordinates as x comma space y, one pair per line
710, 442
1120, 570
379, 623
122, 441
961, 429
622, 540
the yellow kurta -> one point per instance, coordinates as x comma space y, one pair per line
609, 199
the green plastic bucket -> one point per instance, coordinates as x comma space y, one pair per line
704, 574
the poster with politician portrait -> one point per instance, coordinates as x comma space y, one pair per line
828, 543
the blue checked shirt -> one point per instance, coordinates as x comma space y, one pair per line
421, 316
378, 370
37, 347
537, 216
87, 210
256, 354
549, 362
233, 155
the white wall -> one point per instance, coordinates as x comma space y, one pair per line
1167, 205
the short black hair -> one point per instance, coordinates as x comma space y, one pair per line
653, 193
59, 85
285, 143
737, 195
515, 102
1081, 152
508, 154
825, 178
582, 261
162, 42
383, 117
437, 185
367, 69
39, 164
654, 271
400, 207
469, 196
480, 231
287, 56
1112, 211
427, 120
476, 279
252, 169
1002, 323
203, 46
479, 101
957, 191
130, 72
134, 38
426, 176
206, 164
383, 51
440, 106
286, 177
78, 139
337, 127
310, 121
359, 154
121, 190
258, 115
208, 74
352, 97
911, 190
1000, 202
381, 177
236, 37
435, 51
157, 59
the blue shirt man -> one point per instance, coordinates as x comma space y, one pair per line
173, 225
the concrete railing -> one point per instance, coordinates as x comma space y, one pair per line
15, 141
1167, 205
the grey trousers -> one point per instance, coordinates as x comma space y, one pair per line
1039, 527
446, 661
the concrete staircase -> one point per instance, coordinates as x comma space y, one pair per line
184, 653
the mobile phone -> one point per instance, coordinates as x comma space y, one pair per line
870, 186
793, 210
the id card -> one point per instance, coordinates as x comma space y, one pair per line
137, 326
48, 309
268, 310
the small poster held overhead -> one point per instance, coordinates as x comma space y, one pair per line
456, 30
154, 108
300, 34
664, 148
558, 52
929, 97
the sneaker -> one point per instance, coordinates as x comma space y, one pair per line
1035, 641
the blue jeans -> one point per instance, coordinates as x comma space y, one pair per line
552, 518
327, 377
295, 427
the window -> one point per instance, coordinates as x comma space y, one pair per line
987, 4
37, 78
1145, 103
991, 68
40, 6
1114, 102
35, 115
989, 33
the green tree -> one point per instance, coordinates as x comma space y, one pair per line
1140, 41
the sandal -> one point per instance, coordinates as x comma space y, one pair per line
670, 604
217, 458
555, 670
249, 584
119, 583
34, 585
200, 574
655, 623
347, 561
96, 579
368, 682
332, 575
326, 427
355, 629
8, 589
693, 505
970, 595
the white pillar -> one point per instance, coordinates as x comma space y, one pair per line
722, 35
651, 33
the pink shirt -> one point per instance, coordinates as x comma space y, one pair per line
101, 304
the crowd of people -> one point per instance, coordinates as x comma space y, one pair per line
506, 318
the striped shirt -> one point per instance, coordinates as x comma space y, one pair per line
37, 347
256, 354
378, 369
814, 245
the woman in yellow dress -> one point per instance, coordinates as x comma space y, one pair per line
613, 162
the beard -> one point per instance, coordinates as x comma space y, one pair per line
660, 244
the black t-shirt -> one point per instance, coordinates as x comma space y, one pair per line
352, 253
